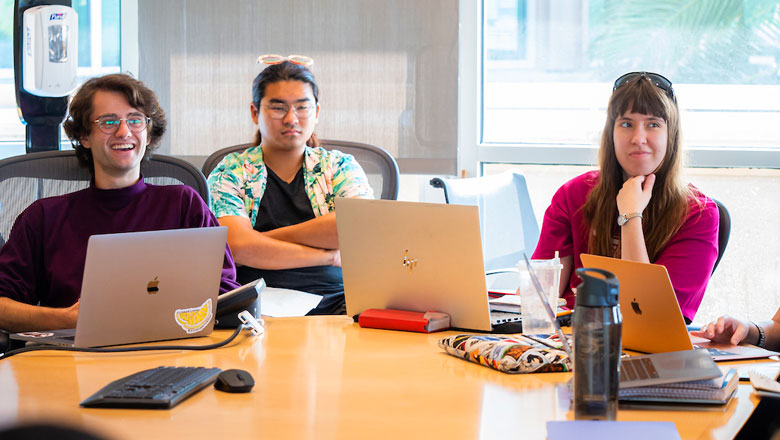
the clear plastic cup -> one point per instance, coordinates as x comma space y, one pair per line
534, 315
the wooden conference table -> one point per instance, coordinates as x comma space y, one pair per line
325, 378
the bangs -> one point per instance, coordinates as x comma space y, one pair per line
640, 97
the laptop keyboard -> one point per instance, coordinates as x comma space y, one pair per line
637, 369
161, 387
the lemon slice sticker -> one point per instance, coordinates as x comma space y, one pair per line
194, 319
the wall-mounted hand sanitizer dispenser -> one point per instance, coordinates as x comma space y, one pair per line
50, 50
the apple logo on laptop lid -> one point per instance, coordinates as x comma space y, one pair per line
635, 306
152, 287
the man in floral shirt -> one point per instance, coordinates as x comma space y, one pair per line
277, 198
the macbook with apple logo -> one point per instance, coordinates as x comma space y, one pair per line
145, 286
417, 257
652, 321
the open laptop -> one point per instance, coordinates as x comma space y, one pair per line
417, 257
649, 369
145, 286
652, 321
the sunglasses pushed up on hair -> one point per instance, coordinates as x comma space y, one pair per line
659, 81
301, 60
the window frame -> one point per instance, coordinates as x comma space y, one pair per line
473, 154
128, 37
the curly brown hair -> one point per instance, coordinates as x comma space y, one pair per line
79, 123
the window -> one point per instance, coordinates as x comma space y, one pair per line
545, 70
99, 53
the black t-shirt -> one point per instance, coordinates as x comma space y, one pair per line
285, 204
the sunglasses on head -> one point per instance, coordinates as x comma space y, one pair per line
301, 60
660, 81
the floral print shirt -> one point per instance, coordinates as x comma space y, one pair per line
237, 184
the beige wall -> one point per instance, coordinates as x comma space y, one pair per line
387, 70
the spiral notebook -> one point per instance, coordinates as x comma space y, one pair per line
711, 391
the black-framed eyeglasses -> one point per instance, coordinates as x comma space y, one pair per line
110, 124
660, 81
302, 110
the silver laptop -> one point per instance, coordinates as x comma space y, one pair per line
417, 257
145, 286
652, 321
663, 368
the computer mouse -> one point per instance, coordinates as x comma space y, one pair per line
234, 381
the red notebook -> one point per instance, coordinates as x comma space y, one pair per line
426, 322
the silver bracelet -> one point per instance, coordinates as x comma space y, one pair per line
761, 335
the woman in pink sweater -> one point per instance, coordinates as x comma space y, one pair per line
636, 206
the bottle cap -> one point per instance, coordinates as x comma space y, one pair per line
599, 288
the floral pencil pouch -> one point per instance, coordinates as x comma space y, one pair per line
514, 354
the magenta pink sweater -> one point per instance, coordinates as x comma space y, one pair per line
688, 257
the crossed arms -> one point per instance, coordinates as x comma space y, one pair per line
311, 243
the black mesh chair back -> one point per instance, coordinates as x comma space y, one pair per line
379, 165
29, 177
724, 231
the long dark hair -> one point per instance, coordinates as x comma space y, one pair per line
668, 205
284, 71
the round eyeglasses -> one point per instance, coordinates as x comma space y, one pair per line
301, 60
110, 124
279, 111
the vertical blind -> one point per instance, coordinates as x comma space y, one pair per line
387, 71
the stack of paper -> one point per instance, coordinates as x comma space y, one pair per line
764, 386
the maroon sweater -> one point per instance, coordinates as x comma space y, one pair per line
43, 260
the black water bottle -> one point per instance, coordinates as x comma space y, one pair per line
597, 344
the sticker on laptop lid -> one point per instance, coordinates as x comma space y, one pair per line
194, 319
36, 334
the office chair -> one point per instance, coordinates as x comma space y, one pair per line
506, 216
724, 231
29, 177
379, 165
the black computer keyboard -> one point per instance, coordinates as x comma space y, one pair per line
161, 388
